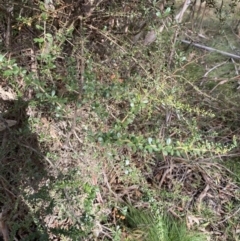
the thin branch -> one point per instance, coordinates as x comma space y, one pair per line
234, 56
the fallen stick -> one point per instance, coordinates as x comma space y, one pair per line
179, 16
234, 56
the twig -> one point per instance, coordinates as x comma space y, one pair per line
232, 48
201, 196
3, 226
34, 150
179, 16
234, 56
170, 59
210, 70
220, 83
80, 72
216, 66
108, 185
225, 219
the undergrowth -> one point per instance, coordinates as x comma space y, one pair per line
116, 138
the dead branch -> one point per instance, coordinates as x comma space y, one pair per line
234, 56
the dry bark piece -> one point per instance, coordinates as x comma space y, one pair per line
3, 228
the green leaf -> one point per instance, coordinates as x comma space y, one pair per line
150, 140
39, 27
159, 147
178, 153
158, 14
165, 153
169, 141
8, 73
149, 149
38, 40
168, 10
1, 57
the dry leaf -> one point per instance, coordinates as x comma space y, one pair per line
150, 37
9, 124
191, 220
7, 95
113, 76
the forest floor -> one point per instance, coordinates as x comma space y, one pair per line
115, 129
